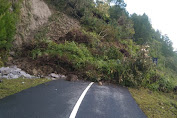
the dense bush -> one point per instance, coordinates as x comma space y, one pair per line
76, 8
159, 82
8, 20
78, 54
9, 12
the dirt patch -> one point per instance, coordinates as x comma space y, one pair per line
75, 35
44, 66
60, 25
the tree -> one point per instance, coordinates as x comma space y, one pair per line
7, 25
76, 8
119, 3
103, 7
167, 48
143, 28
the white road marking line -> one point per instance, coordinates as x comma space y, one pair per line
77, 105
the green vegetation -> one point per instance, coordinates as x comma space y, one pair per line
9, 87
1, 63
9, 15
111, 45
156, 104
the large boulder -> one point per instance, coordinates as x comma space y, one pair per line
71, 77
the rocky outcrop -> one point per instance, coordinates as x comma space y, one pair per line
34, 13
40, 13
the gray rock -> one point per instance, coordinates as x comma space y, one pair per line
13, 76
5, 72
13, 73
22, 73
28, 76
63, 76
5, 77
53, 75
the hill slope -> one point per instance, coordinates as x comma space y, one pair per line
94, 40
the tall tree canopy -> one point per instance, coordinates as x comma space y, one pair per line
143, 28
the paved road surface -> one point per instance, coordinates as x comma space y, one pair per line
57, 99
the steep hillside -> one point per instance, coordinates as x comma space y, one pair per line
38, 22
96, 40
93, 40
33, 14
34, 18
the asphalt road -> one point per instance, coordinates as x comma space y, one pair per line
56, 99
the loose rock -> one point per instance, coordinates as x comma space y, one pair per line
72, 77
13, 73
100, 83
54, 76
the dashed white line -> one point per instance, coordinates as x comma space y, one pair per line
77, 105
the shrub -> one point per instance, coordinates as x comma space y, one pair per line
114, 53
8, 19
78, 54
103, 29
158, 82
9, 12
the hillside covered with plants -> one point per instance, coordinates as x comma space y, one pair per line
105, 43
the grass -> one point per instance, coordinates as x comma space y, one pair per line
156, 104
9, 87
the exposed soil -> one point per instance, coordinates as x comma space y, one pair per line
60, 24
34, 14
43, 66
76, 36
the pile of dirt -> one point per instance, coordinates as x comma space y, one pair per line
60, 25
75, 35
44, 65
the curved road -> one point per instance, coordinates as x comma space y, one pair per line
57, 99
